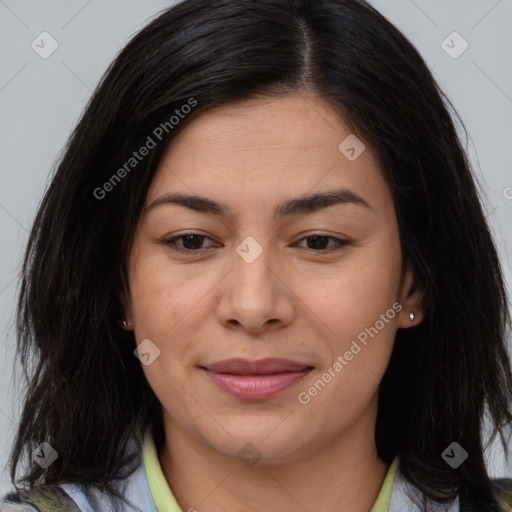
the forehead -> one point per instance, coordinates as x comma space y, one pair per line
268, 149
278, 124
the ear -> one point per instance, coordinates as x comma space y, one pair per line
128, 315
411, 298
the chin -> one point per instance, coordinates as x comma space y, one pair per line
261, 442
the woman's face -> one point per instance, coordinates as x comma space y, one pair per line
253, 284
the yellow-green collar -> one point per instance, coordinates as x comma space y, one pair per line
166, 502
384, 497
158, 486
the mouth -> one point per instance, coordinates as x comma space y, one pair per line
256, 380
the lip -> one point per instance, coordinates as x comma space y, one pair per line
256, 380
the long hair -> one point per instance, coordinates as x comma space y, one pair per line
86, 393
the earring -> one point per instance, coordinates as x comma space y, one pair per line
125, 325
411, 316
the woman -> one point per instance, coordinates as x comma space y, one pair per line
261, 279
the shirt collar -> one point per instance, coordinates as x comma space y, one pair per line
158, 486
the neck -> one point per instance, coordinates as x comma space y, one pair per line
343, 474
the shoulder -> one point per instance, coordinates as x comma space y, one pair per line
41, 498
133, 495
404, 494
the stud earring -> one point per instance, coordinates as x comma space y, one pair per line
125, 325
411, 316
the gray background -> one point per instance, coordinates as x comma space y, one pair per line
41, 99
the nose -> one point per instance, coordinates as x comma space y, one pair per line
255, 294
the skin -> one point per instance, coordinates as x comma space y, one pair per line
291, 302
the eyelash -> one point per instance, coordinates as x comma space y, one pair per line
171, 243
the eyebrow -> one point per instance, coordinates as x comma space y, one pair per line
296, 206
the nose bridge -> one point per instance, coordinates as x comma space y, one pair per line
253, 264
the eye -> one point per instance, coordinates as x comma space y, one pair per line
317, 243
193, 242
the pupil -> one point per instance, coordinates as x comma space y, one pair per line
317, 241
195, 239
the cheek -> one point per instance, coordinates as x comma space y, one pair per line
357, 292
167, 299
168, 305
362, 326
359, 311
